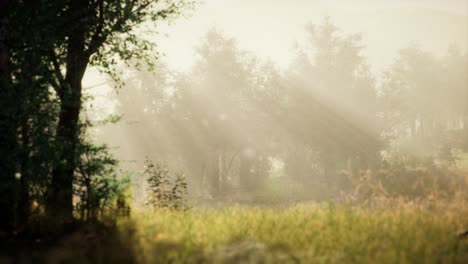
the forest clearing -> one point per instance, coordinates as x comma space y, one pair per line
392, 232
233, 131
304, 234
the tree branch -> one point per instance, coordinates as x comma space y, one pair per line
98, 40
61, 80
95, 38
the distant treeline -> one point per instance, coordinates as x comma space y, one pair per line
237, 125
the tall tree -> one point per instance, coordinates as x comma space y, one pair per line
332, 89
8, 124
68, 36
424, 98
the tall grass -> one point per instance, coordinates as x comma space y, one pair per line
307, 233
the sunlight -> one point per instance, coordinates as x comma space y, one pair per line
234, 131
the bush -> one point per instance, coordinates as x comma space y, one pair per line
410, 178
97, 185
164, 190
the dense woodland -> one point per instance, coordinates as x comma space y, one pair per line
233, 130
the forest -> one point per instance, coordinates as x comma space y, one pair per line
112, 153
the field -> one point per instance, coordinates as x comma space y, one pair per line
383, 232
307, 233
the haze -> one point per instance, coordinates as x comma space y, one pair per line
271, 29
234, 131
300, 90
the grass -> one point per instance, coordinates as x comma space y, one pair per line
307, 233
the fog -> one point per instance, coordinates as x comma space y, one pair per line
263, 101
273, 29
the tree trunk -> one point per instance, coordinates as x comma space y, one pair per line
61, 200
213, 174
61, 195
8, 126
245, 173
28, 108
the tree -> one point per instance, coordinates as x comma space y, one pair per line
332, 103
65, 37
213, 121
424, 100
7, 126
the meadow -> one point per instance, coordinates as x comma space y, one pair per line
403, 232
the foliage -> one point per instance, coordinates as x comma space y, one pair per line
97, 184
49, 45
243, 112
410, 178
165, 190
326, 118
418, 79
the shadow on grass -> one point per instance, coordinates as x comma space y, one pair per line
77, 243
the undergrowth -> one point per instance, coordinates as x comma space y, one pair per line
396, 232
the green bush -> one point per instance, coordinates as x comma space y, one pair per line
165, 190
97, 184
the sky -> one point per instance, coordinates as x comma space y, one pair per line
272, 29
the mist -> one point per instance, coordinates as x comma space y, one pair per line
253, 109
234, 131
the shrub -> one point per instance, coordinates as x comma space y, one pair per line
165, 190
410, 178
97, 185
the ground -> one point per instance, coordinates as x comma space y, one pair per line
305, 233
